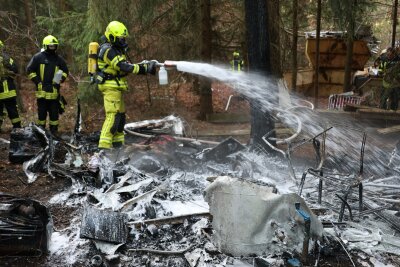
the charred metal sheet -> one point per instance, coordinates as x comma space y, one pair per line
25, 143
170, 220
25, 227
259, 262
223, 149
168, 125
104, 225
385, 216
34, 165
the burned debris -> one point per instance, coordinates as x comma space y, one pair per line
168, 200
25, 227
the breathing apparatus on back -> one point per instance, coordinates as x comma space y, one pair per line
92, 60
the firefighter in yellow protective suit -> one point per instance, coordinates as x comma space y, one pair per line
237, 62
113, 67
48, 70
8, 94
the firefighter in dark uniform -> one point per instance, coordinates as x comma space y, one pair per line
391, 88
48, 70
8, 94
388, 69
113, 68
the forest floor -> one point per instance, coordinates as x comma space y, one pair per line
141, 104
184, 104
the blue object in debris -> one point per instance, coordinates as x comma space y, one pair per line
294, 262
307, 226
302, 213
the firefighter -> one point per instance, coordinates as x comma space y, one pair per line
388, 68
237, 62
391, 88
48, 70
387, 60
113, 67
8, 94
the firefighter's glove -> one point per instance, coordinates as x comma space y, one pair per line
151, 67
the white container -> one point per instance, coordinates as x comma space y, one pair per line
162, 76
58, 76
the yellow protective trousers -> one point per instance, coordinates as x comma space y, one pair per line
113, 104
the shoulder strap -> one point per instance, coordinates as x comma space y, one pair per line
103, 49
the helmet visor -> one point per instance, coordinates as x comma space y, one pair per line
52, 47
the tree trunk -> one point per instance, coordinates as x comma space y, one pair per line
21, 69
20, 103
274, 37
67, 50
295, 27
349, 50
28, 13
258, 17
394, 23
62, 5
206, 106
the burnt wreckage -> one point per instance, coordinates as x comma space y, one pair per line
143, 205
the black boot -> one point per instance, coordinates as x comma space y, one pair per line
117, 144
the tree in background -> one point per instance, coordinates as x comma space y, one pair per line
262, 25
347, 13
162, 30
206, 106
295, 28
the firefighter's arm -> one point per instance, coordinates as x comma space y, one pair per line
31, 70
10, 65
134, 68
64, 68
120, 64
144, 67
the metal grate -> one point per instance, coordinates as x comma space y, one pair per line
339, 101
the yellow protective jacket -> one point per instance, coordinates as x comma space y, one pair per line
114, 67
8, 69
41, 70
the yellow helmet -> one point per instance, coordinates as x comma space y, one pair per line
236, 54
49, 40
116, 33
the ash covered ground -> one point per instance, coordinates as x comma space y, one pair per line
164, 177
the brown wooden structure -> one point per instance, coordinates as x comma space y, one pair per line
332, 60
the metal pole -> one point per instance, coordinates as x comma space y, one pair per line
316, 87
320, 185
